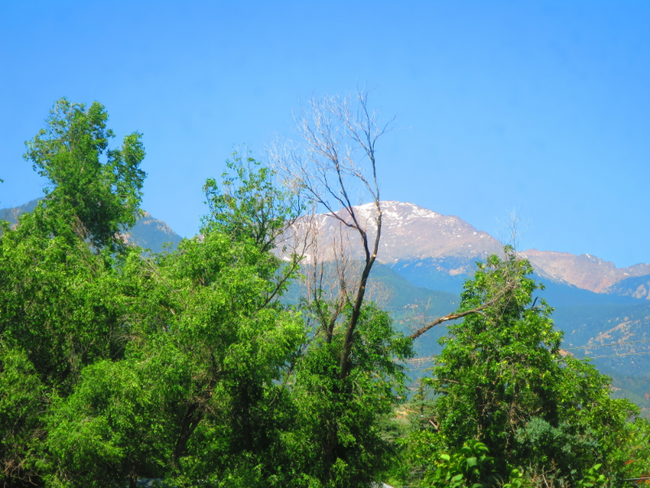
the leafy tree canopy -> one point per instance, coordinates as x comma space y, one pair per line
503, 381
94, 189
249, 204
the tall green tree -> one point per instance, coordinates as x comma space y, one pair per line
355, 453
94, 189
60, 281
503, 381
61, 301
201, 381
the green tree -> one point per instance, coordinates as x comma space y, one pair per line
60, 282
248, 203
359, 453
504, 382
96, 198
62, 308
200, 382
61, 300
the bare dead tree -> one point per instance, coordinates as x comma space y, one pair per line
335, 167
336, 162
512, 228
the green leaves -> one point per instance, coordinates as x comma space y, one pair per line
503, 381
248, 204
592, 478
112, 425
337, 439
516, 479
95, 199
500, 364
471, 466
23, 399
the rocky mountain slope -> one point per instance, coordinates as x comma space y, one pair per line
151, 233
637, 287
410, 232
584, 271
434, 249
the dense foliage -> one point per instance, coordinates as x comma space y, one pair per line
118, 364
502, 381
100, 197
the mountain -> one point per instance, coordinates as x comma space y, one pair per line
560, 294
637, 287
617, 340
11, 215
584, 271
148, 232
411, 232
151, 233
439, 252
427, 248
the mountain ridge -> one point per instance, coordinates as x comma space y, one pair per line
584, 270
430, 248
414, 234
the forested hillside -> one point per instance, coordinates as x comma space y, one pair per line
241, 358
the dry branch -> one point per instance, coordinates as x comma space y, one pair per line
453, 316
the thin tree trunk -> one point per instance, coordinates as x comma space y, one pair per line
189, 424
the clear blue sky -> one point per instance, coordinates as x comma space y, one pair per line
543, 107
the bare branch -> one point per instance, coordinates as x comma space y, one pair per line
453, 316
340, 135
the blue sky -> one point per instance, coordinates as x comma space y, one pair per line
542, 107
